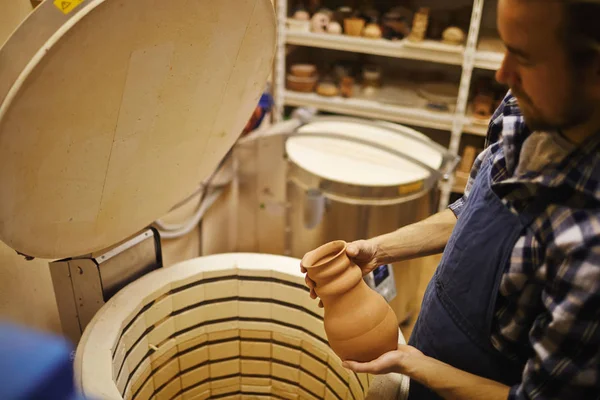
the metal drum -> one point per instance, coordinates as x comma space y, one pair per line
352, 179
363, 162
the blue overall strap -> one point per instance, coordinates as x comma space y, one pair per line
454, 325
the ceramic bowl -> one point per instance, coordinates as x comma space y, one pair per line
327, 89
303, 70
301, 84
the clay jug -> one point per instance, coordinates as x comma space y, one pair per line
359, 323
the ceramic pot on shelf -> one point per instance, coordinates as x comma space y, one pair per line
334, 28
419, 27
372, 30
359, 323
347, 86
319, 22
327, 88
453, 35
303, 70
354, 26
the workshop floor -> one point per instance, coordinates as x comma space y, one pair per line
426, 274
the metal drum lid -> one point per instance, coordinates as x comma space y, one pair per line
365, 154
112, 111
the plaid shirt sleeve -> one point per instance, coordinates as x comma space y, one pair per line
565, 336
493, 136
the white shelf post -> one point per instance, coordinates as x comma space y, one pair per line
280, 61
463, 95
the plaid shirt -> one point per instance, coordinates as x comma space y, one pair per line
548, 306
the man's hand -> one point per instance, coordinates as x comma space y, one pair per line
445, 380
362, 252
393, 361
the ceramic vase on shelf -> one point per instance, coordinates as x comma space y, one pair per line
319, 22
334, 28
354, 26
359, 323
372, 30
419, 28
453, 35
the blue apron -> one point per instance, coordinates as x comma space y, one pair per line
455, 321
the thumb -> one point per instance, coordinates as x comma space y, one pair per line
353, 250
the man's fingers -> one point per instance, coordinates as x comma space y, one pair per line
311, 285
309, 282
386, 363
359, 367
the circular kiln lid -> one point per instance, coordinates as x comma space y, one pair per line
359, 164
112, 111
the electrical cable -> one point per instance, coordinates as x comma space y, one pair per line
193, 222
171, 231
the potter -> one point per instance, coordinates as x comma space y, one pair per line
513, 308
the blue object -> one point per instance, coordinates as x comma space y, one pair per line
266, 103
35, 365
455, 320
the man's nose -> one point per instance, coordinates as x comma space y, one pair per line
502, 74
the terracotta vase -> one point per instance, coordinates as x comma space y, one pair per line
354, 26
359, 323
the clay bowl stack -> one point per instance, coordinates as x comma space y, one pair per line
302, 78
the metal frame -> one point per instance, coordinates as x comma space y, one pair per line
83, 285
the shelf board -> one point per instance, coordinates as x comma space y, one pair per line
475, 127
427, 50
371, 109
490, 52
488, 60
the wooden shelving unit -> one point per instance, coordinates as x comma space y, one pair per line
478, 52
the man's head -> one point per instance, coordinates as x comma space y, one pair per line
552, 63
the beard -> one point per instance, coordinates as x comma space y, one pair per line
573, 112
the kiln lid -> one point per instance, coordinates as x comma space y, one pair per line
112, 111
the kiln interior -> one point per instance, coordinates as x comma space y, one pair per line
230, 333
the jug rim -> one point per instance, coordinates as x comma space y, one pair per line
313, 258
